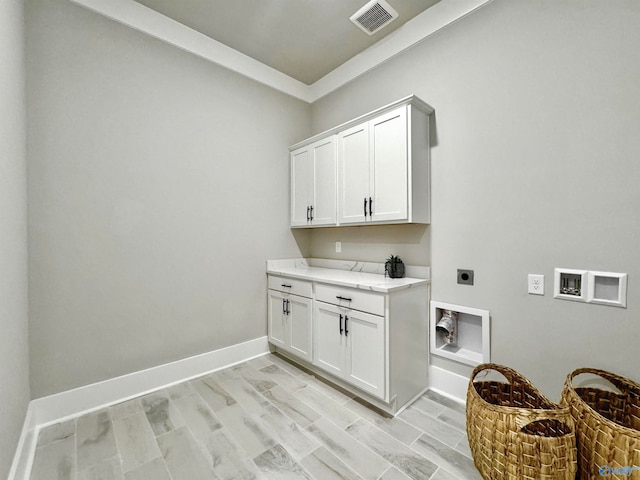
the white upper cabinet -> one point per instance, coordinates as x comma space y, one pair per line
313, 184
373, 170
382, 170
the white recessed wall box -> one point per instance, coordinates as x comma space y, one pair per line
604, 288
607, 288
472, 336
570, 284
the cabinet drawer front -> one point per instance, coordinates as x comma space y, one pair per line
351, 298
290, 285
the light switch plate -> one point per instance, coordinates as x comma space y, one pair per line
536, 284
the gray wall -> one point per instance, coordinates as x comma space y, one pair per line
535, 166
14, 367
158, 187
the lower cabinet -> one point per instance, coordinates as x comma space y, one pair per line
290, 323
371, 343
350, 345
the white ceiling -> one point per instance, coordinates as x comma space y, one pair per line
304, 39
280, 61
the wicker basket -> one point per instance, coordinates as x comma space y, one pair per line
607, 426
515, 432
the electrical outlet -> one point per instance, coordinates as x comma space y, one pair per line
536, 284
338, 247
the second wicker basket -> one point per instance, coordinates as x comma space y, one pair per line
515, 432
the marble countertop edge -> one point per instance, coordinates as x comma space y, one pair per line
361, 275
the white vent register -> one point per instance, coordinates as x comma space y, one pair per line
373, 16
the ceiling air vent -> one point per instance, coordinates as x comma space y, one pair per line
373, 16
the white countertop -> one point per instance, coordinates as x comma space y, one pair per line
359, 275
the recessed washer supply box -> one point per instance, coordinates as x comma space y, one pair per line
603, 288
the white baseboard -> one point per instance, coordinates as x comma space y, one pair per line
23, 458
73, 403
448, 384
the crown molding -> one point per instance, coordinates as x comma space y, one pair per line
414, 31
145, 20
150, 22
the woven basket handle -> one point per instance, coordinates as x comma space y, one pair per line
507, 372
621, 383
560, 414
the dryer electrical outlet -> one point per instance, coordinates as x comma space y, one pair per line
465, 277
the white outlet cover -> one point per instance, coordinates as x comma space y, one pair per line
536, 284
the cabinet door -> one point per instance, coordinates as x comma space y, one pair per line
301, 174
299, 323
324, 182
353, 174
389, 166
366, 352
277, 328
329, 345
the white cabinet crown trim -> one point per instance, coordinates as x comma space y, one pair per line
408, 100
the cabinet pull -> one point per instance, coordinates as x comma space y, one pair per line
288, 310
284, 307
365, 207
311, 213
307, 213
285, 285
346, 331
340, 297
341, 324
370, 207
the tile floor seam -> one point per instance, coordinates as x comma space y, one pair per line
365, 445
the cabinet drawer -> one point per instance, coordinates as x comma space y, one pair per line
351, 298
290, 285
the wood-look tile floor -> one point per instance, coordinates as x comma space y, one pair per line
263, 419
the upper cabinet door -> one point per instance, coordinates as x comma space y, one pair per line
313, 184
324, 182
389, 167
353, 174
300, 186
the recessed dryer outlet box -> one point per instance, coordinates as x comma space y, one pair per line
570, 284
607, 288
465, 277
